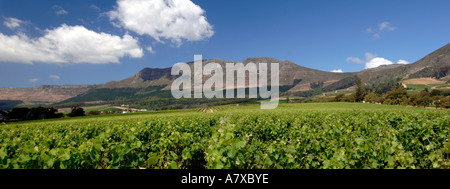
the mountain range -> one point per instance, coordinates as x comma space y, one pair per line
295, 80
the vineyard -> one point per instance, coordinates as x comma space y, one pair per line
293, 136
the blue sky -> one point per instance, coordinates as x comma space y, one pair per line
92, 42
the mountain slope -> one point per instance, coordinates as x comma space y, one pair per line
144, 78
294, 80
151, 83
290, 74
45, 94
435, 64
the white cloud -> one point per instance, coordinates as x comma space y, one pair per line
402, 62
54, 77
59, 10
12, 23
369, 56
150, 50
337, 71
382, 28
376, 35
355, 60
174, 20
68, 44
378, 61
32, 80
372, 61
386, 25
94, 7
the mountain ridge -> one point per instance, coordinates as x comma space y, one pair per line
294, 78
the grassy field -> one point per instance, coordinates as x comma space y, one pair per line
103, 108
298, 136
416, 88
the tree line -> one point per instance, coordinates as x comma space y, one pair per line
35, 113
395, 94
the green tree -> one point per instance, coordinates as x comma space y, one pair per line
437, 100
52, 113
424, 98
395, 96
19, 113
372, 97
360, 92
76, 111
36, 113
91, 113
339, 97
43, 113
413, 100
424, 93
4, 113
436, 92
445, 102
423, 101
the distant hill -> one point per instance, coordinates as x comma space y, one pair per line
290, 74
44, 94
153, 84
435, 65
